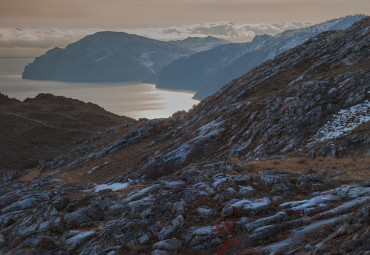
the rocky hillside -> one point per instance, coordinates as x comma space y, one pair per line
41, 128
192, 72
207, 72
105, 57
283, 106
276, 162
269, 50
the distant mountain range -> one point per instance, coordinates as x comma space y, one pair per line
206, 72
199, 64
193, 72
198, 44
105, 57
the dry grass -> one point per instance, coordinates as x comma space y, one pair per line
357, 169
30, 176
234, 160
47, 126
121, 162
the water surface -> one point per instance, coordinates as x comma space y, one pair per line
136, 100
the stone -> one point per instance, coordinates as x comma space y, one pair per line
247, 206
229, 192
222, 183
206, 212
265, 232
191, 194
77, 240
308, 247
61, 203
202, 238
117, 209
218, 198
280, 189
47, 243
141, 204
168, 230
171, 245
246, 225
247, 191
2, 241
160, 252
21, 205
79, 217
241, 178
178, 222
145, 238
210, 191
178, 207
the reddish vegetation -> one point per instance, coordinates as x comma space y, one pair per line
224, 228
227, 244
286, 234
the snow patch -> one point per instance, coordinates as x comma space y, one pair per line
343, 122
146, 61
112, 186
211, 126
108, 54
96, 167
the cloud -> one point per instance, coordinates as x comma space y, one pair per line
41, 38
224, 30
32, 42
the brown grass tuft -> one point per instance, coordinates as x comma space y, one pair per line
302, 161
234, 160
355, 169
275, 163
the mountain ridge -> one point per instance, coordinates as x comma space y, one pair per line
105, 56
198, 44
43, 127
270, 52
240, 62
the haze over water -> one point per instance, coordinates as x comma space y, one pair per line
136, 100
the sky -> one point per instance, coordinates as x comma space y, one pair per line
28, 27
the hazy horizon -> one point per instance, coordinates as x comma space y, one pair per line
30, 28
28, 42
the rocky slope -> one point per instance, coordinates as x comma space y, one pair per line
192, 72
209, 181
277, 108
207, 72
269, 50
41, 128
105, 57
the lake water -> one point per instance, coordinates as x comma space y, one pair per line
136, 100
